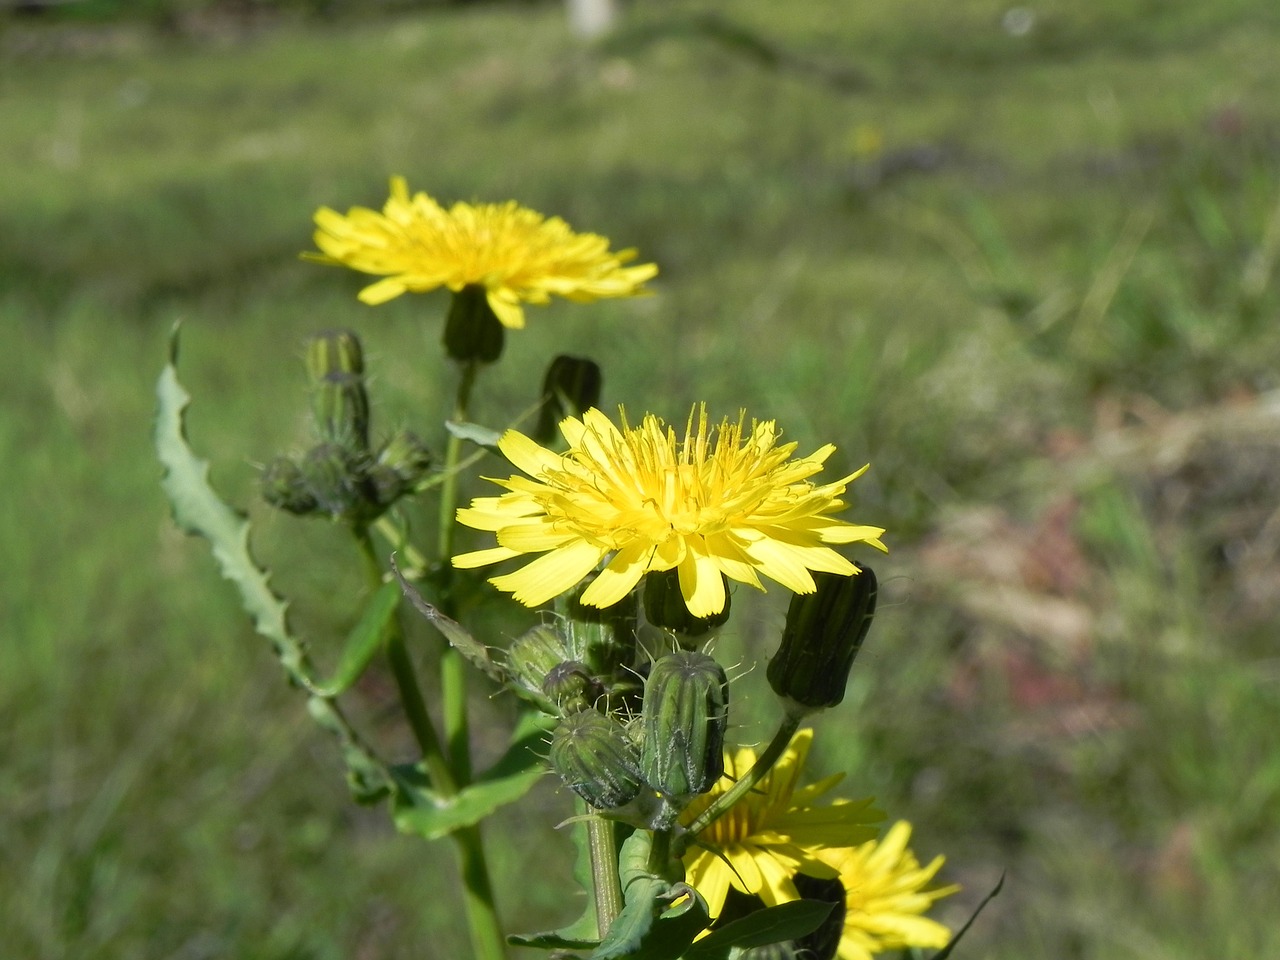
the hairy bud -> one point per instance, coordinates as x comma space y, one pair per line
686, 708
334, 351
596, 759
472, 330
571, 385
664, 606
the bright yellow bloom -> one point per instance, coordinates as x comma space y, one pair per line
884, 896
774, 832
515, 253
717, 502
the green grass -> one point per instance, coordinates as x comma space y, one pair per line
1095, 245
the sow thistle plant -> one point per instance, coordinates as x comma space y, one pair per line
631, 539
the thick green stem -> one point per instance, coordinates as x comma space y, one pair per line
487, 941
602, 841
725, 802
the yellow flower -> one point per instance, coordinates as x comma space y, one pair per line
884, 896
774, 832
515, 253
717, 502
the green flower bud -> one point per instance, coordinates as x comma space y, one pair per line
605, 640
572, 385
336, 478
596, 759
686, 708
284, 486
340, 405
472, 330
664, 606
824, 632
400, 466
571, 687
334, 351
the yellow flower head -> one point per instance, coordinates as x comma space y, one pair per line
515, 253
720, 501
885, 897
774, 832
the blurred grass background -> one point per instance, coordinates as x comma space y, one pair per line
1021, 259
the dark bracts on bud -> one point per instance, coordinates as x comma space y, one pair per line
571, 687
571, 385
664, 606
686, 709
823, 635
285, 486
596, 759
472, 331
401, 465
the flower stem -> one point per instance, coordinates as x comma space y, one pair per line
453, 678
725, 802
487, 941
602, 842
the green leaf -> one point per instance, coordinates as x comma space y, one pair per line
645, 929
198, 510
480, 436
471, 648
786, 921
946, 951
429, 815
364, 640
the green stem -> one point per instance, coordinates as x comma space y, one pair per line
453, 677
415, 706
602, 841
725, 802
487, 941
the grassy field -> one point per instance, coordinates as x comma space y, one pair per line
1022, 261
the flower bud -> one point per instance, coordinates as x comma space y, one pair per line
401, 464
596, 759
334, 351
472, 330
571, 687
603, 639
284, 486
341, 409
664, 606
571, 385
824, 632
335, 476
686, 708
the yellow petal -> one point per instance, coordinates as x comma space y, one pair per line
551, 574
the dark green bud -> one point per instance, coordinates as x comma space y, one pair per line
596, 759
340, 405
284, 486
824, 633
335, 476
400, 466
472, 331
686, 709
572, 385
664, 606
571, 687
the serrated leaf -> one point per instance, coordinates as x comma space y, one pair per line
198, 510
364, 640
462, 641
474, 433
786, 921
946, 951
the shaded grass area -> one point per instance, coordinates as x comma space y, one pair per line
1004, 260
